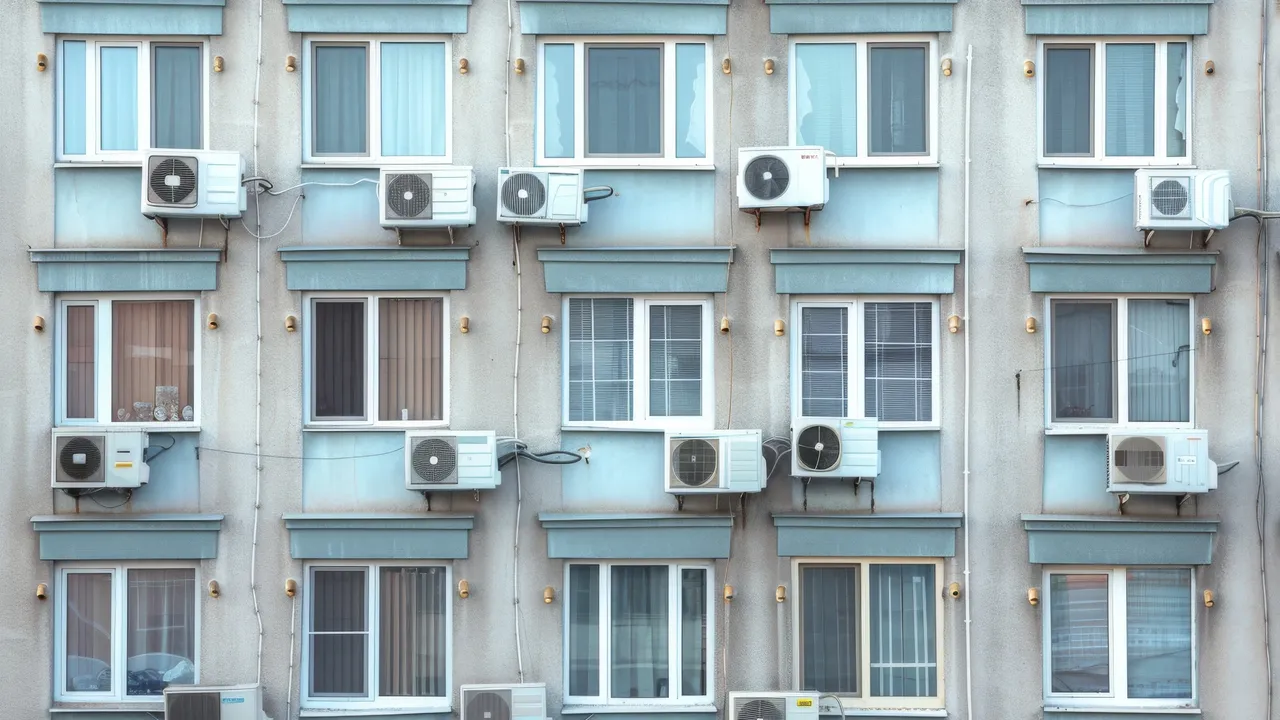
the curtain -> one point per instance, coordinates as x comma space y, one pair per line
1176, 100
824, 361
160, 629
337, 364
1078, 634
1068, 101
176, 106
1159, 361
412, 631
88, 632
118, 97
829, 628
898, 359
74, 97
340, 108
413, 107
153, 360
1083, 360
81, 362
624, 101
691, 100
1159, 633
1131, 100
827, 96
904, 633
339, 633
584, 630
693, 632
410, 359
675, 360
600, 367
639, 627
557, 101
898, 114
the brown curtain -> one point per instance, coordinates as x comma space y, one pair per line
88, 632
410, 359
338, 360
412, 632
153, 360
80, 362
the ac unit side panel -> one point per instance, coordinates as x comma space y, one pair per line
564, 198
742, 468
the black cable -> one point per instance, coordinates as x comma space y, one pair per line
172, 441
299, 457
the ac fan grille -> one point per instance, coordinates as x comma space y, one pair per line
523, 194
193, 706
1170, 198
766, 177
409, 196
173, 179
488, 705
1139, 460
435, 461
80, 446
818, 448
760, 709
694, 462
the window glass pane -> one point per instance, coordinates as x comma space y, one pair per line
639, 632
824, 361
339, 633
153, 369
827, 96
691, 100
1131, 100
904, 635
411, 643
1176, 100
829, 628
675, 360
410, 359
413, 107
557, 100
337, 381
898, 104
1068, 101
898, 359
1079, 650
161, 630
624, 101
176, 106
600, 368
118, 97
88, 632
74, 96
340, 109
693, 632
1083, 335
1158, 603
1159, 361
584, 630
81, 362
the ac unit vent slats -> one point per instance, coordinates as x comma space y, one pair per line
767, 177
173, 180
524, 195
409, 195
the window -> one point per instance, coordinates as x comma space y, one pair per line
869, 101
1120, 102
119, 98
639, 634
376, 101
870, 631
865, 358
378, 636
377, 360
128, 360
1120, 360
1118, 636
638, 362
124, 633
624, 103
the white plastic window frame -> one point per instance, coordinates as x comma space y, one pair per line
373, 89
1098, 157
862, 46
580, 157
1117, 643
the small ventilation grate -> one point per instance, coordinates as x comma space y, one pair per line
435, 461
1140, 460
1169, 197
488, 706
818, 448
173, 179
694, 462
766, 177
80, 458
523, 194
760, 710
409, 196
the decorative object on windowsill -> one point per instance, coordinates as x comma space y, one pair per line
1208, 598
212, 322
1206, 326
1029, 68
167, 403
519, 66
1031, 325
1208, 67
290, 587
726, 67
213, 589
779, 328
953, 590
768, 66
464, 325
953, 323
464, 589
1033, 596
464, 67
42, 62
188, 413
38, 323
546, 324
946, 67
728, 593
548, 595
724, 324
780, 594
291, 324
218, 63
290, 64
42, 592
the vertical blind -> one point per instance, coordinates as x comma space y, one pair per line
118, 97
339, 633
340, 105
829, 628
1159, 361
152, 360
557, 100
904, 634
88, 632
1131, 100
897, 84
584, 630
412, 632
624, 100
691, 100
81, 362
74, 96
1158, 605
824, 361
600, 359
413, 106
338, 359
675, 360
1068, 101
410, 359
160, 629
693, 632
826, 102
1079, 634
898, 361
639, 623
1083, 344
176, 107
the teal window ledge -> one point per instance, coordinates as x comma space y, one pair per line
131, 17
847, 271
127, 537
1122, 713
637, 536
377, 16
1119, 270
640, 712
1116, 17
436, 536
375, 268
916, 535
636, 270
1086, 540
798, 17
624, 17
126, 270
388, 714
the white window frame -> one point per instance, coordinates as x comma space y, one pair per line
1117, 643
94, 154
103, 380
1121, 361
373, 86
674, 638
855, 391
580, 157
863, 700
641, 420
862, 44
1099, 158
370, 420
372, 649
119, 629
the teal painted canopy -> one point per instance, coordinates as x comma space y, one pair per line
637, 536
797, 17
127, 537
1119, 270
1117, 17
377, 16
624, 17
434, 536
916, 535
131, 17
186, 270
844, 271
636, 270
375, 268
1089, 540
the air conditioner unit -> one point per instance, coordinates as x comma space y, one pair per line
1174, 462
450, 460
782, 178
88, 459
714, 462
526, 701
1182, 199
427, 197
773, 706
835, 447
541, 196
193, 184
207, 702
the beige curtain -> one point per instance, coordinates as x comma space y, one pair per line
153, 360
410, 359
88, 632
80, 362
411, 635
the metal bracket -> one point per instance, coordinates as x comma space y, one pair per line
1182, 501
561, 233
805, 494
742, 505
1146, 238
807, 213
164, 230
1122, 498
756, 213
477, 494
450, 229
679, 502
426, 495
1204, 244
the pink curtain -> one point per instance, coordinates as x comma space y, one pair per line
80, 362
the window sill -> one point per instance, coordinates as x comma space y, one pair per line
613, 164
637, 428
1109, 428
622, 709
149, 428
107, 707
367, 712
98, 164
373, 164
381, 427
1122, 710
1112, 165
875, 712
885, 164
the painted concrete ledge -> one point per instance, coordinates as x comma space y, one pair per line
1119, 270
127, 537
1091, 540
907, 535
902, 271
1117, 17
368, 536
637, 269
624, 17
375, 714
692, 712
375, 268
377, 16
131, 17
795, 17
1119, 713
642, 536
143, 270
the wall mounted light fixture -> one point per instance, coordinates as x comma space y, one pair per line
217, 63
953, 323
291, 323
214, 591
780, 594
42, 592
290, 587
768, 66
212, 321
290, 64
464, 589
1033, 596
42, 62
37, 323
1029, 68
464, 324
1206, 326
946, 67
1031, 324
548, 594
464, 67
726, 67
546, 324
779, 328
519, 66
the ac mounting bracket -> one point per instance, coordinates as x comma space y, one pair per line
164, 229
426, 495
742, 506
476, 494
807, 213
805, 494
562, 233
1180, 501
756, 213
1122, 498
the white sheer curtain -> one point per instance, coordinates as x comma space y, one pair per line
1068, 101
1159, 361
826, 77
88, 632
639, 625
160, 630
584, 630
829, 628
824, 361
1079, 634
691, 100
624, 100
118, 97
557, 101
904, 636
340, 104
1159, 632
1131, 99
413, 107
412, 631
675, 360
1083, 360
600, 359
1176, 101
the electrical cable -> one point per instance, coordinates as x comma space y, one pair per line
515, 424
293, 208
1079, 205
257, 421
300, 457
1263, 303
968, 373
839, 705
1174, 353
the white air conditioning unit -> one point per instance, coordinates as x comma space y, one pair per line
193, 184
450, 460
526, 701
1182, 199
427, 197
541, 196
207, 702
93, 458
1173, 462
835, 447
773, 706
782, 178
719, 461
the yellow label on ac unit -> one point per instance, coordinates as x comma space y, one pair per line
804, 702
124, 464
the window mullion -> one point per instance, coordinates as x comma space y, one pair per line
863, 660
374, 90
1121, 370
668, 87
640, 341
103, 355
675, 628
372, 650
1160, 100
119, 639
371, 378
855, 376
861, 58
606, 626
1119, 635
